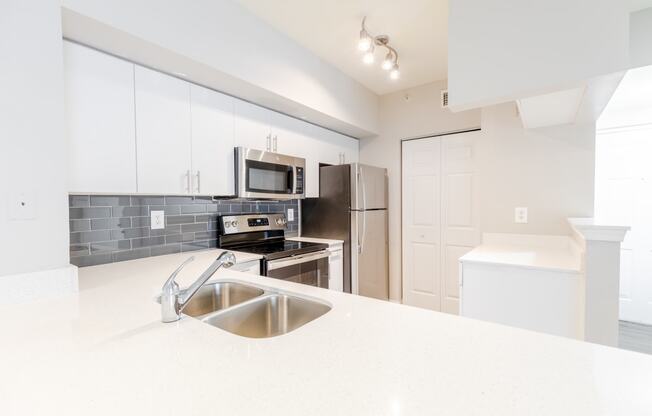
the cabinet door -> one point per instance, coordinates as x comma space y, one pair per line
163, 133
336, 270
289, 135
212, 142
252, 126
343, 147
99, 121
349, 148
314, 150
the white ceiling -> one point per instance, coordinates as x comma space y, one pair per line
418, 29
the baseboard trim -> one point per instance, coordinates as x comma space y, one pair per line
34, 286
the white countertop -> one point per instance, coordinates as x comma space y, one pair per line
317, 240
532, 252
104, 351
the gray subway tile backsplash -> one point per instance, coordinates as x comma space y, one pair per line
88, 212
112, 228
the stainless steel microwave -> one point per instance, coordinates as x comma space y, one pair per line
268, 175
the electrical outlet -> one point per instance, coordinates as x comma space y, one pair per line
290, 214
158, 220
520, 215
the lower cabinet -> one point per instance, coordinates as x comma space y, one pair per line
336, 269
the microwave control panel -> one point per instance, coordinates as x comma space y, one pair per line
299, 189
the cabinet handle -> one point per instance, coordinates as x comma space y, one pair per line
188, 180
343, 158
269, 143
198, 182
275, 143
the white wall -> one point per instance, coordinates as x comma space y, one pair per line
501, 50
549, 171
32, 149
220, 44
640, 38
412, 113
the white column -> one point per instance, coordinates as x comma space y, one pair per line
601, 244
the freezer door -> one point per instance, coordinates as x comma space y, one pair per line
368, 187
369, 255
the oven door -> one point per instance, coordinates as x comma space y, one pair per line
268, 175
309, 269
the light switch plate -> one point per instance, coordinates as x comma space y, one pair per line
290, 214
158, 220
520, 215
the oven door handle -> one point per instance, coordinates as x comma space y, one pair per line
291, 261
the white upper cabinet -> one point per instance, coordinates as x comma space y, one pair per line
252, 126
346, 148
163, 129
289, 135
135, 130
99, 121
212, 142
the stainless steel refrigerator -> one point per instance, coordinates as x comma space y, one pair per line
352, 206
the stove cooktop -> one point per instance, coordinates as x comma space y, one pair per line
280, 249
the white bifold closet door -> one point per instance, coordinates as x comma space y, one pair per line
439, 218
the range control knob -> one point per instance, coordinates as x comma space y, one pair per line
227, 224
234, 223
279, 221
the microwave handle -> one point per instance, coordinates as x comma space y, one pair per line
294, 180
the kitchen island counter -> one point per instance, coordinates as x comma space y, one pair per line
104, 351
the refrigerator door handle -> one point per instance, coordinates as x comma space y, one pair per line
364, 232
364, 188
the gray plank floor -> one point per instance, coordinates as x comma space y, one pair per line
635, 337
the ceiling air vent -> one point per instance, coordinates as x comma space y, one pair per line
444, 98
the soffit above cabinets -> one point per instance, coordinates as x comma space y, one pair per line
418, 29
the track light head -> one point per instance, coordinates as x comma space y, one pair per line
394, 73
388, 62
365, 41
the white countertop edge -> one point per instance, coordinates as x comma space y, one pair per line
497, 263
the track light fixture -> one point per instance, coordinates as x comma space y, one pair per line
367, 44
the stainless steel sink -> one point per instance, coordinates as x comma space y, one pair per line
220, 295
269, 316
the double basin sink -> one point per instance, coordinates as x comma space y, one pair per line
252, 311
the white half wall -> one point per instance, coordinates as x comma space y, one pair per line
415, 112
502, 50
33, 169
220, 44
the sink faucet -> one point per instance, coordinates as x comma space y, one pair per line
173, 300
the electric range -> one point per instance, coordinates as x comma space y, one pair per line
264, 234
